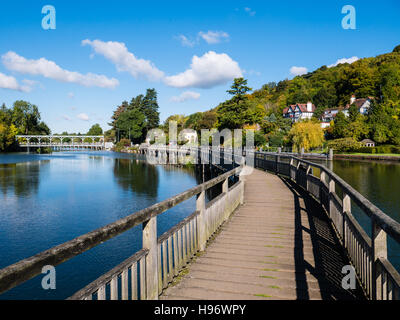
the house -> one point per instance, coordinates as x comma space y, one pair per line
299, 111
368, 143
189, 136
363, 106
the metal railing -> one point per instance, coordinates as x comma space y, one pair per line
368, 255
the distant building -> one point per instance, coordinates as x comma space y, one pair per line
368, 143
363, 106
189, 136
299, 111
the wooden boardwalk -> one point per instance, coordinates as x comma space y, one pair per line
278, 245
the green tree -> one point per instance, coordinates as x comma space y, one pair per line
95, 130
25, 116
239, 89
131, 124
150, 109
234, 113
341, 126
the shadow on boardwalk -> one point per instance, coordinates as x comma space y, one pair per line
329, 255
279, 245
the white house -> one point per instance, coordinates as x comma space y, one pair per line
299, 111
363, 106
189, 136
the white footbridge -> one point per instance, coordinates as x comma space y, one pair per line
62, 142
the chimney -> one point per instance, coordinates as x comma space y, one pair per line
309, 106
352, 99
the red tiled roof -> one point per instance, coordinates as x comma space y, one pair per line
302, 107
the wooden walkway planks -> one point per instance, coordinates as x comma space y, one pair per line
277, 245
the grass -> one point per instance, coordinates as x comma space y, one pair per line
263, 295
270, 269
371, 154
268, 277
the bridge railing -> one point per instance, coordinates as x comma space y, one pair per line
368, 255
145, 274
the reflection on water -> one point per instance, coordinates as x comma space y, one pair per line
136, 176
20, 178
46, 200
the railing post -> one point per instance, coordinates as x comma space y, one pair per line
346, 211
201, 220
331, 191
307, 173
150, 243
330, 154
379, 250
225, 189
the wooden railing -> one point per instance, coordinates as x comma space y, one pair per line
145, 274
368, 255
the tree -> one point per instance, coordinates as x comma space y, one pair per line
238, 89
25, 116
150, 109
341, 126
95, 130
234, 113
307, 135
7, 136
131, 124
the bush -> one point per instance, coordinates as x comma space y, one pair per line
122, 144
344, 145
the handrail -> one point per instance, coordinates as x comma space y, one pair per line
28, 268
368, 255
388, 224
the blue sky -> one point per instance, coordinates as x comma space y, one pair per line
104, 52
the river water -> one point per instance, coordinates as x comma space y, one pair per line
379, 182
49, 199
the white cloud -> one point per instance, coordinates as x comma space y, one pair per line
187, 95
298, 71
344, 60
212, 37
65, 117
249, 11
185, 41
207, 71
71, 95
9, 82
50, 69
83, 116
124, 60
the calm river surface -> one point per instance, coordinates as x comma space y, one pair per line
49, 199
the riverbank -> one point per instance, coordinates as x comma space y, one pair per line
378, 157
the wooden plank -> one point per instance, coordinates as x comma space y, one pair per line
134, 282
124, 285
114, 288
